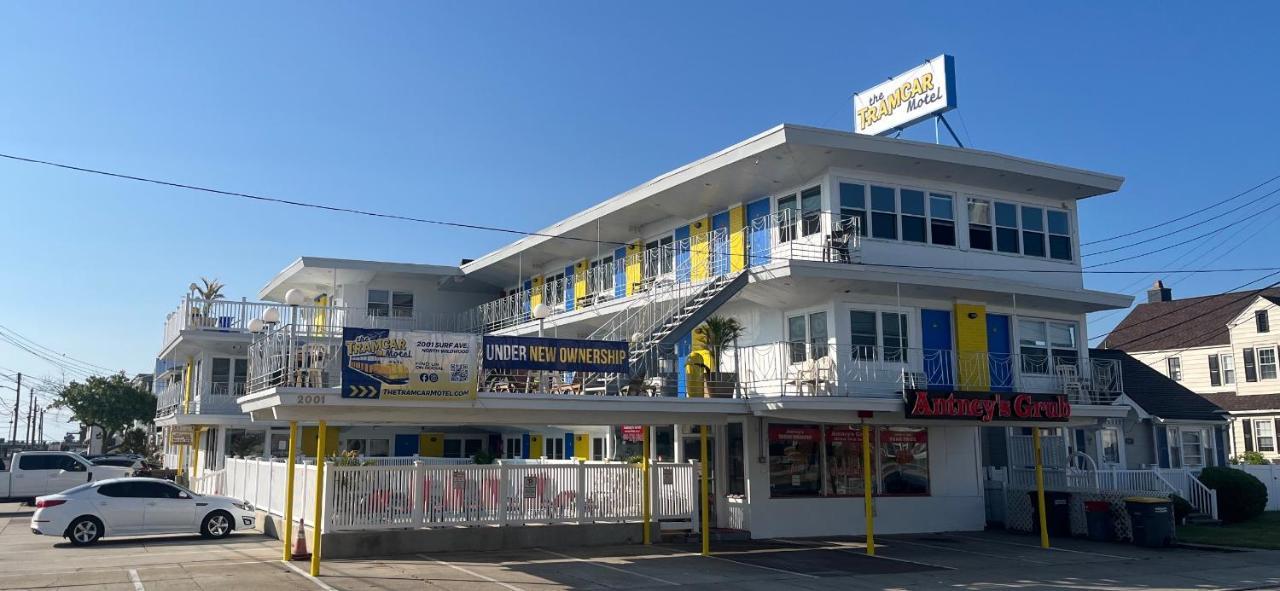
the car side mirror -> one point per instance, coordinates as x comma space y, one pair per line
183, 495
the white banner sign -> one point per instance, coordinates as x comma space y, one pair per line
921, 92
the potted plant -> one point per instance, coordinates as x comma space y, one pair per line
201, 315
717, 334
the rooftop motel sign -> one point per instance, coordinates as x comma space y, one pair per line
987, 406
906, 99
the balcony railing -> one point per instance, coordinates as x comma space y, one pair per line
214, 398
169, 400
697, 259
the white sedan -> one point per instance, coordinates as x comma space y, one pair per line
132, 506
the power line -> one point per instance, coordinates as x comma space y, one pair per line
64, 356
1183, 217
1185, 228
296, 203
1249, 294
1189, 240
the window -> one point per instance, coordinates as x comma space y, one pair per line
884, 213
737, 452
378, 448
1007, 228
155, 490
1222, 370
942, 220
914, 226
554, 448
117, 489
864, 337
788, 214
793, 460
980, 224
807, 336
811, 210
1267, 364
227, 376
513, 448
39, 462
844, 473
853, 205
1175, 368
1109, 441
658, 257
600, 276
1059, 235
597, 449
878, 337
1033, 231
1260, 319
1192, 448
1044, 344
383, 302
903, 461
1250, 366
1264, 434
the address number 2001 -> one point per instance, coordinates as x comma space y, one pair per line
310, 399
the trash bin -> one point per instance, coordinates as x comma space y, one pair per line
1098, 516
1152, 521
1057, 512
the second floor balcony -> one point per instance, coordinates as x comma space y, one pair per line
218, 398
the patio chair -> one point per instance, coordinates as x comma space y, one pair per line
1069, 377
823, 374
573, 386
802, 376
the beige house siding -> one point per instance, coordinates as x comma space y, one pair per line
1195, 366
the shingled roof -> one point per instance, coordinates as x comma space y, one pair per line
1237, 403
1156, 393
1180, 324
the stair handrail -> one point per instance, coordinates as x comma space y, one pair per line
1203, 498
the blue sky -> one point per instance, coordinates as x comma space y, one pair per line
520, 113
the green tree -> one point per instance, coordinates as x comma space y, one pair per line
110, 403
717, 334
135, 442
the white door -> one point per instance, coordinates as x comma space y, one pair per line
70, 472
121, 510
166, 507
31, 474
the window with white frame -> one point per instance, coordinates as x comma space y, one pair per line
513, 448
942, 219
554, 448
1033, 235
1174, 365
1193, 448
659, 257
788, 218
878, 336
915, 226
1109, 441
1267, 363
980, 236
383, 302
597, 449
553, 287
1059, 234
884, 212
227, 376
1222, 370
811, 210
1044, 344
1261, 321
1007, 228
807, 336
1263, 433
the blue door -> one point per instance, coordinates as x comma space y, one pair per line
568, 446
758, 231
682, 254
998, 346
568, 287
620, 272
935, 333
524, 446
406, 444
720, 243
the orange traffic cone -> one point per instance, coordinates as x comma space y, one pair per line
300, 544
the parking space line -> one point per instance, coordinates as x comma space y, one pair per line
975, 553
610, 567
1037, 547
472, 573
847, 550
307, 575
776, 570
137, 583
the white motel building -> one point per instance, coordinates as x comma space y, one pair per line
860, 268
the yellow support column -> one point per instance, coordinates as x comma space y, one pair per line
317, 519
705, 511
644, 471
1044, 527
868, 508
195, 451
288, 490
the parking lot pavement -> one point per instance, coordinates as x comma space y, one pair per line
244, 560
966, 561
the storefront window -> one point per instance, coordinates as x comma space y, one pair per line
737, 459
244, 444
844, 462
904, 461
793, 460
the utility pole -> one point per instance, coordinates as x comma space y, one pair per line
16, 408
41, 433
31, 412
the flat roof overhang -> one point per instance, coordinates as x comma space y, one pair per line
845, 409
317, 275
239, 419
194, 341
777, 159
489, 408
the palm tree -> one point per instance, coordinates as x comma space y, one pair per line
718, 333
211, 290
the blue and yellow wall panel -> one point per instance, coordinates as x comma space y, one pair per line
699, 249
635, 256
582, 446
569, 282
971, 347
737, 238
535, 294
535, 445
720, 243
431, 445
580, 279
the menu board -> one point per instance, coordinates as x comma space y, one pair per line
844, 461
793, 460
904, 460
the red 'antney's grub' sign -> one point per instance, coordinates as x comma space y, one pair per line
987, 406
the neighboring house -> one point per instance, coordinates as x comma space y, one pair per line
1169, 426
863, 268
1221, 346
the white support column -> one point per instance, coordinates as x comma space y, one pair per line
678, 443
220, 448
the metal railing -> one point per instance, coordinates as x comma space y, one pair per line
1101, 480
295, 356
1185, 482
169, 400
820, 368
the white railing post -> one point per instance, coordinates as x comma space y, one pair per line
327, 501
581, 497
696, 511
504, 486
417, 496
271, 481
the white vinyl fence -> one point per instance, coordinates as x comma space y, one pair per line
1269, 474
438, 495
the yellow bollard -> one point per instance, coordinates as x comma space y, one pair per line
644, 471
318, 521
706, 505
868, 508
1044, 526
288, 491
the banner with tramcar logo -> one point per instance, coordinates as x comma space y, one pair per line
379, 363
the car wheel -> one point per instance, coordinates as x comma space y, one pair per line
84, 531
216, 525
